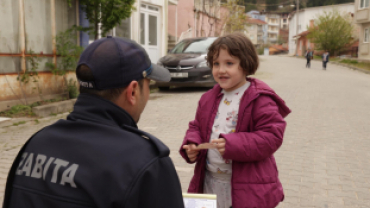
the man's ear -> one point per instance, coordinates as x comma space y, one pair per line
131, 92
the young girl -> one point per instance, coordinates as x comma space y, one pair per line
244, 119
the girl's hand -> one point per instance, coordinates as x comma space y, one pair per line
191, 151
220, 145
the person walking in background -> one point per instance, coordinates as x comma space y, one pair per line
309, 55
325, 59
239, 166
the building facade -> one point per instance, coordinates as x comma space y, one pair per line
31, 28
255, 31
194, 18
275, 21
362, 18
304, 18
257, 15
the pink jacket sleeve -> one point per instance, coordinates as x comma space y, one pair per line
266, 138
192, 134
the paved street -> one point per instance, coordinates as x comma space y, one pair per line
324, 160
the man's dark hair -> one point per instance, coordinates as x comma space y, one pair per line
237, 45
84, 73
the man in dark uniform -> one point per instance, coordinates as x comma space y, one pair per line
98, 157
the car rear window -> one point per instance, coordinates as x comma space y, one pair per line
193, 46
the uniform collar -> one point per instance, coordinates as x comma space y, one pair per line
93, 108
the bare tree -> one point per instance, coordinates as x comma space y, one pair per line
235, 19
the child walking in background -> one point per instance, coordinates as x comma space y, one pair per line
244, 120
325, 59
309, 56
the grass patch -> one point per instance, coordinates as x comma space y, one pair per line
26, 110
19, 123
348, 61
17, 111
355, 63
153, 90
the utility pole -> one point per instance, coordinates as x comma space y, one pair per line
297, 18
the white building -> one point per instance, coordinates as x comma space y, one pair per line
147, 26
255, 31
275, 22
363, 20
307, 14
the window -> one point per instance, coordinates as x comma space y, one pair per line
366, 35
364, 3
142, 28
153, 8
124, 29
284, 20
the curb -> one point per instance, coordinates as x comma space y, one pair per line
339, 64
352, 67
12, 121
54, 108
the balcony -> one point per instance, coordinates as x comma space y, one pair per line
362, 16
274, 16
273, 23
273, 31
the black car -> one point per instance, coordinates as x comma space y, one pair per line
187, 64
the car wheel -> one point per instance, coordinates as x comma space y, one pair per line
164, 88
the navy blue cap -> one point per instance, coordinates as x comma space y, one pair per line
116, 62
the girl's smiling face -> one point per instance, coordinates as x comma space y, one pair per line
227, 71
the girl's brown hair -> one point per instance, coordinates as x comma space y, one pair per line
237, 45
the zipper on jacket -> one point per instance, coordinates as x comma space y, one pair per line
241, 115
218, 100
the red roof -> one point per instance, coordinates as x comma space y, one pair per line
256, 21
302, 33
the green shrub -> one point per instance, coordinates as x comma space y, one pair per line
72, 89
260, 51
23, 110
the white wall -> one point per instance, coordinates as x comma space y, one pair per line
163, 16
311, 13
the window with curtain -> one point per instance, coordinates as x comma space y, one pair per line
366, 35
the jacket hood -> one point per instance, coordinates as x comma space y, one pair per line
258, 88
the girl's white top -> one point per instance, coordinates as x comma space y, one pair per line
224, 123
